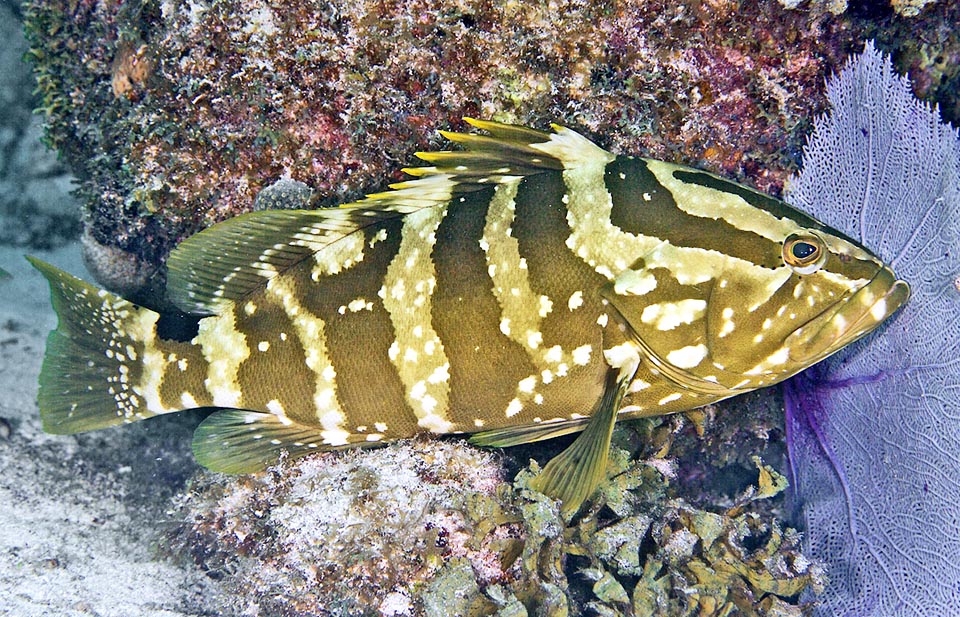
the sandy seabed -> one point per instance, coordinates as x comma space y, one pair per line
82, 517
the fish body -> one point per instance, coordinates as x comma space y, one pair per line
515, 289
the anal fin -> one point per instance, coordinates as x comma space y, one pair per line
573, 475
239, 441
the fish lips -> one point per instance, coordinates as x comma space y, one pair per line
851, 318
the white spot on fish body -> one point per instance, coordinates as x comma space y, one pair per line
778, 357
633, 283
554, 354
263, 346
359, 304
378, 237
669, 398
687, 357
335, 437
440, 375
435, 424
429, 404
581, 355
187, 400
514, 408
546, 305
527, 384
668, 315
575, 301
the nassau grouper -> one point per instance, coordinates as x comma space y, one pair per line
525, 287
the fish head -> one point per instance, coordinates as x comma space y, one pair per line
721, 322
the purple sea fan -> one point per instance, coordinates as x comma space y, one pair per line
874, 432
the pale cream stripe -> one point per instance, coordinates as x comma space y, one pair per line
521, 309
593, 238
142, 329
706, 202
224, 348
602, 245
310, 330
418, 353
334, 252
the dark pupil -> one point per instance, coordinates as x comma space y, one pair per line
802, 250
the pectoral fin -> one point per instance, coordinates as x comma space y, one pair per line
573, 475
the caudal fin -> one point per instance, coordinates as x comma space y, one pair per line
93, 358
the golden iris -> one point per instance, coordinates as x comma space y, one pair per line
805, 252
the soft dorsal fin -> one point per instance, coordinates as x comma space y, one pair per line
226, 262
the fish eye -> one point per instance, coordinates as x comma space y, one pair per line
805, 252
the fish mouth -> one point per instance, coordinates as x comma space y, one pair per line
854, 317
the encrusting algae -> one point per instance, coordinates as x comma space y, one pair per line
428, 528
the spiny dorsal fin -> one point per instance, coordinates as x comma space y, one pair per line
509, 151
226, 262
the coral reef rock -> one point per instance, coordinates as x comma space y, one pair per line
428, 527
175, 115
